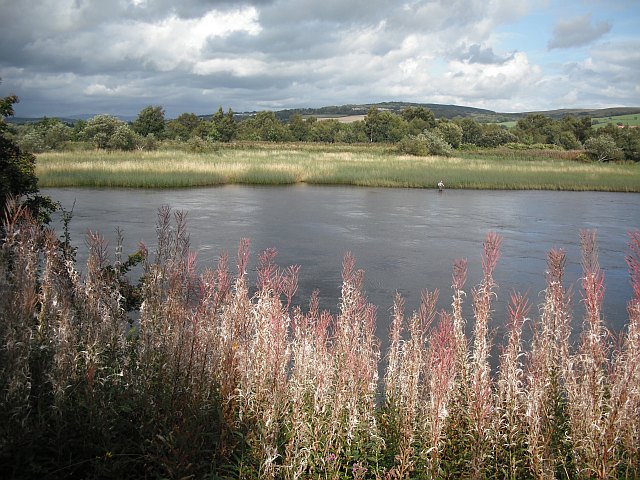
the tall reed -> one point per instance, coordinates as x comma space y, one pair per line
214, 378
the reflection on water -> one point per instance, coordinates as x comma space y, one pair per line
405, 240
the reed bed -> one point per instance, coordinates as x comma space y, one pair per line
214, 378
339, 165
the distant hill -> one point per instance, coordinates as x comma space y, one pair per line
439, 110
452, 111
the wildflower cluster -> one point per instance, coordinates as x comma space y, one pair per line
212, 377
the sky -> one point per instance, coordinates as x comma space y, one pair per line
71, 57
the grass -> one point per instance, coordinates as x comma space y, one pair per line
626, 120
364, 165
217, 379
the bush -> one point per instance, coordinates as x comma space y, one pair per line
450, 132
430, 142
603, 148
200, 145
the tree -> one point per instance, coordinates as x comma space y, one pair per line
471, 131
354, 132
18, 169
150, 121
429, 142
264, 126
494, 135
223, 127
603, 148
384, 126
325, 130
110, 133
299, 127
451, 133
46, 134
123, 138
425, 117
99, 129
183, 127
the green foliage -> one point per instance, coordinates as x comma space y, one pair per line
223, 127
300, 127
430, 142
325, 131
451, 132
110, 133
199, 145
603, 148
46, 134
419, 118
471, 131
384, 126
494, 136
123, 138
264, 126
150, 121
183, 127
18, 169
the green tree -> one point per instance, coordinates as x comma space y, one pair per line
471, 131
419, 116
183, 127
150, 121
384, 126
123, 138
110, 133
581, 128
264, 126
300, 127
451, 132
353, 132
223, 127
325, 131
568, 140
100, 128
46, 134
628, 140
429, 142
537, 128
494, 135
603, 148
18, 168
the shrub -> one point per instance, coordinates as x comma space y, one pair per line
603, 148
430, 142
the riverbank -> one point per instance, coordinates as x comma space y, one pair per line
375, 166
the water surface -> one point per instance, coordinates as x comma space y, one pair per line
405, 239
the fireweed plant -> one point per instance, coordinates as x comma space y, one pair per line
211, 377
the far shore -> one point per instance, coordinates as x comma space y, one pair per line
359, 165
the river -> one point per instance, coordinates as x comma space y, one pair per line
405, 239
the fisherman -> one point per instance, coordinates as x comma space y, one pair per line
440, 186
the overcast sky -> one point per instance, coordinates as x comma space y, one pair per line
66, 57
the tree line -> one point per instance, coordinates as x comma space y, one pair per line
415, 130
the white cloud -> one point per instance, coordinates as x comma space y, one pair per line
194, 54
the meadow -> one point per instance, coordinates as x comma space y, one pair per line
628, 120
363, 165
216, 378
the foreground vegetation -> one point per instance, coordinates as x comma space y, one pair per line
213, 381
367, 165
